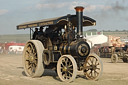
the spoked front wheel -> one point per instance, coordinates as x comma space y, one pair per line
67, 68
93, 67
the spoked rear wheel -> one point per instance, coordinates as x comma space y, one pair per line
93, 67
67, 68
32, 58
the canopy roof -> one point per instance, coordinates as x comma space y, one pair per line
87, 21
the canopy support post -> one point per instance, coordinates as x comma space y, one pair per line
30, 33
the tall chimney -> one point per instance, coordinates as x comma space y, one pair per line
79, 15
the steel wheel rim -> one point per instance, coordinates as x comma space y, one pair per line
67, 68
31, 58
92, 68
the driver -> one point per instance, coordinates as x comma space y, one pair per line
41, 31
35, 33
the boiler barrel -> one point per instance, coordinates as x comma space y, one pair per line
76, 48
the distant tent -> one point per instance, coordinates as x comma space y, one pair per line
96, 39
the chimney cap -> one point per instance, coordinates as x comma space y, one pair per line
79, 8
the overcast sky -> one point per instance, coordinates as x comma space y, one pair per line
109, 14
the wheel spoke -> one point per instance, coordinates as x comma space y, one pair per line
27, 56
27, 51
30, 71
70, 66
90, 73
35, 58
95, 61
70, 76
88, 67
31, 45
97, 64
66, 61
30, 66
98, 68
35, 63
34, 53
63, 64
33, 50
70, 63
33, 68
86, 70
30, 48
70, 69
91, 60
96, 72
70, 73
88, 63
65, 75
27, 60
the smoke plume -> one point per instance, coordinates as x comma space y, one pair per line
119, 7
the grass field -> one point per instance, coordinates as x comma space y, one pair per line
22, 38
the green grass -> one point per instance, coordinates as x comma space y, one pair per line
22, 38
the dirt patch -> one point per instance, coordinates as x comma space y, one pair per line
12, 73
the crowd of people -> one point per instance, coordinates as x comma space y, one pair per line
52, 32
36, 33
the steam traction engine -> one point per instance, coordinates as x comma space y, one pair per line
61, 48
